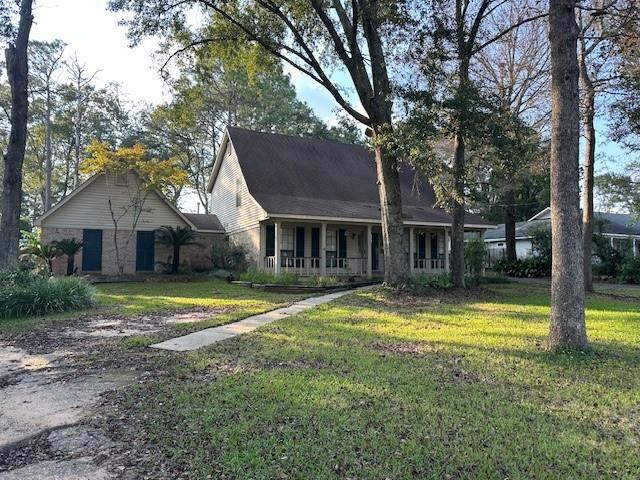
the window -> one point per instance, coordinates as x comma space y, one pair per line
286, 246
121, 178
238, 192
332, 248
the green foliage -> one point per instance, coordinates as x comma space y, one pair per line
229, 257
34, 247
528, 267
68, 246
426, 282
23, 293
176, 238
541, 244
475, 253
266, 278
620, 190
630, 271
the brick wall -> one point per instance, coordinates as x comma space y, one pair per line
192, 257
250, 240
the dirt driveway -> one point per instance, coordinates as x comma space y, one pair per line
51, 381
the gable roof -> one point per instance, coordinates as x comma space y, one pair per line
294, 176
192, 220
205, 222
607, 223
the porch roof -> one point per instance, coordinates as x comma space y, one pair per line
318, 178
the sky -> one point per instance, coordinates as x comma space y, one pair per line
93, 34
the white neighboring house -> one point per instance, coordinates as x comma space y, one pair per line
311, 207
617, 227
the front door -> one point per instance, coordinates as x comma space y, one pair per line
92, 250
375, 251
145, 251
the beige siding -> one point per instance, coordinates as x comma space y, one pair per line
89, 208
228, 183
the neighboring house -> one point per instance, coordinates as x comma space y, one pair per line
617, 227
311, 207
85, 215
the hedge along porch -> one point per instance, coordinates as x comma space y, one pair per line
347, 249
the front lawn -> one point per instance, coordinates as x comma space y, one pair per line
138, 298
374, 386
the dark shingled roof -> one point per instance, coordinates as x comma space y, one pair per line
305, 176
606, 223
204, 221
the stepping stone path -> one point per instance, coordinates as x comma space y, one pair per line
210, 336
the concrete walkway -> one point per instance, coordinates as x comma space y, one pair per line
209, 336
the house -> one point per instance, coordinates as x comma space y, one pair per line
311, 207
85, 215
619, 228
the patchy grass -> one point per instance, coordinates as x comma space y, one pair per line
138, 298
379, 386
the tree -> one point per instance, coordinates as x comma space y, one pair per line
69, 247
567, 329
18, 74
36, 248
313, 37
45, 60
175, 237
513, 73
149, 175
602, 25
621, 190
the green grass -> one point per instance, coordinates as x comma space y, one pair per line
374, 386
131, 299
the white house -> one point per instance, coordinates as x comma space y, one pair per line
311, 207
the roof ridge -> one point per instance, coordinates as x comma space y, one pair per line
296, 137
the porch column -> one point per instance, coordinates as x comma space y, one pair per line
323, 249
446, 249
276, 243
369, 253
611, 242
635, 247
412, 248
262, 263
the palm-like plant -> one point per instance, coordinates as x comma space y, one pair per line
175, 237
33, 246
69, 247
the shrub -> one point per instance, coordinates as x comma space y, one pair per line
427, 281
263, 278
27, 293
475, 252
229, 257
630, 271
541, 244
526, 267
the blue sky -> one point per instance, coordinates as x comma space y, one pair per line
93, 33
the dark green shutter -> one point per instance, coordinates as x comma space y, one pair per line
434, 245
422, 245
300, 242
92, 250
270, 250
145, 251
315, 242
342, 243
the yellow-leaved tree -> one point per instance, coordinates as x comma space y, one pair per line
148, 177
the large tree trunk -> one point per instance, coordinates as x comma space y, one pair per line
17, 72
396, 265
457, 228
567, 329
510, 225
588, 172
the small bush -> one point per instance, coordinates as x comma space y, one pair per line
475, 252
630, 271
229, 257
27, 293
324, 281
264, 278
428, 281
524, 268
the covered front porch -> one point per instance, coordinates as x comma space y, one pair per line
346, 249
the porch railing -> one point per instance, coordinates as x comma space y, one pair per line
429, 265
356, 266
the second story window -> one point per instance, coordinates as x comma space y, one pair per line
121, 178
238, 192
